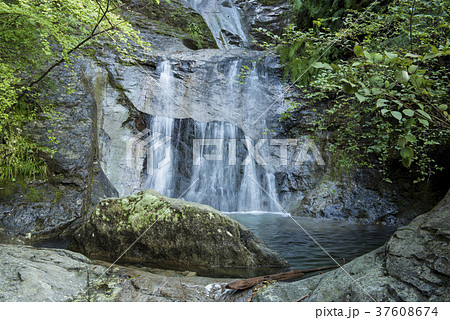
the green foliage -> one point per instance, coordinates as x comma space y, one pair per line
35, 37
307, 11
196, 34
387, 75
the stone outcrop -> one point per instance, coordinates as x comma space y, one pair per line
47, 209
175, 234
272, 15
412, 266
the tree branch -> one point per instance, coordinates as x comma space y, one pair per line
57, 63
94, 33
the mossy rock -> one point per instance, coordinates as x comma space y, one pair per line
173, 19
173, 234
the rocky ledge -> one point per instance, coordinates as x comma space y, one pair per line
412, 266
175, 234
37, 274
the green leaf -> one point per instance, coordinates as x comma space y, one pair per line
412, 55
406, 162
335, 67
381, 103
411, 138
360, 97
349, 89
384, 111
320, 65
401, 142
401, 76
410, 122
407, 152
434, 49
423, 121
423, 113
443, 107
376, 91
376, 57
358, 50
412, 68
368, 56
397, 115
391, 55
408, 112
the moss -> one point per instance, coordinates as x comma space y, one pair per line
173, 19
7, 189
58, 196
34, 195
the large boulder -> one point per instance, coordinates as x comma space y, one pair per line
412, 266
151, 229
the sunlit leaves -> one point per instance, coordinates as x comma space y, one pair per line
358, 50
34, 34
401, 76
386, 83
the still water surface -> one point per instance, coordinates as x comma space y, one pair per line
342, 240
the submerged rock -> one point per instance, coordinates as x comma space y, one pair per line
38, 274
173, 234
412, 266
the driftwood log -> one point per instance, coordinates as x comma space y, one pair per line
284, 276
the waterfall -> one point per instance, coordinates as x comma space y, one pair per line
201, 141
212, 160
224, 21
160, 176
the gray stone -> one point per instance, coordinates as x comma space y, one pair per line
173, 234
36, 274
46, 209
272, 15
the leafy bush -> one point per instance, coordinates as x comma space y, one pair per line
35, 37
386, 75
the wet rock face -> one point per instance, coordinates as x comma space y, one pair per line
272, 15
181, 235
45, 209
412, 266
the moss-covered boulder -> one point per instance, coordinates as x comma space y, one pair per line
173, 234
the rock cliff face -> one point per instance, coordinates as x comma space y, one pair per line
173, 234
41, 209
412, 266
272, 15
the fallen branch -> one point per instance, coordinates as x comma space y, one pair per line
303, 298
284, 276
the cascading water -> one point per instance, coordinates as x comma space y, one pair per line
214, 157
201, 134
224, 21
160, 178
